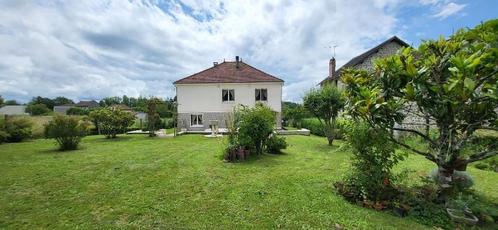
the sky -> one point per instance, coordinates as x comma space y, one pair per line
93, 49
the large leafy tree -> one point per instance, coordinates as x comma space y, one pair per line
325, 104
453, 82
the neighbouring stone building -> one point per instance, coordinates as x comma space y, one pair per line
365, 61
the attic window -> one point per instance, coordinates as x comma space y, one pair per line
228, 95
261, 95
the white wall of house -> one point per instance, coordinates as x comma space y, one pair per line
193, 98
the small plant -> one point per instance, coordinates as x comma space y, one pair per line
67, 131
275, 144
255, 126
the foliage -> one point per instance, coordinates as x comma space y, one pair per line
372, 161
110, 122
325, 104
1, 101
165, 108
255, 126
153, 119
37, 109
62, 101
11, 102
4, 136
67, 131
275, 144
49, 103
316, 128
452, 81
293, 114
17, 129
77, 111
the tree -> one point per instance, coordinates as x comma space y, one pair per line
1, 101
77, 111
11, 102
111, 121
62, 101
67, 131
325, 104
153, 119
43, 100
37, 109
453, 82
293, 113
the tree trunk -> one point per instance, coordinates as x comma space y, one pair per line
330, 139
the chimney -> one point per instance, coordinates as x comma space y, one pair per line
332, 68
215, 63
237, 62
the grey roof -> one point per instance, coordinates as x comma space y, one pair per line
360, 58
89, 104
13, 110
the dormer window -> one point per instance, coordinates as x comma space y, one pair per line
261, 95
228, 95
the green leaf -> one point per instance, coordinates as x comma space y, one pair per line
469, 83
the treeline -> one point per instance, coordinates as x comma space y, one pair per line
44, 105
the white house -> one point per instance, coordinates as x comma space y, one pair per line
207, 97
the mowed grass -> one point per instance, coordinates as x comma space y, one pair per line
181, 183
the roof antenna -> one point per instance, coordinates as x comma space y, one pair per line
332, 49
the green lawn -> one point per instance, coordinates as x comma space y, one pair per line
181, 183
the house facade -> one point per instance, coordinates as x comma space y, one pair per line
365, 60
208, 97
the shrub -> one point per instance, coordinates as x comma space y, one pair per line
37, 109
3, 136
77, 111
316, 128
111, 121
275, 144
18, 129
372, 161
67, 131
255, 126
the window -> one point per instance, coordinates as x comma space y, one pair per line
228, 95
261, 95
196, 120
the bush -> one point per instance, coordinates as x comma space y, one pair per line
37, 109
111, 121
275, 144
316, 128
372, 162
67, 131
18, 129
3, 136
77, 111
168, 123
255, 126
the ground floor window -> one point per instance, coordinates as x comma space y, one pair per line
196, 120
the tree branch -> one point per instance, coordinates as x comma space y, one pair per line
426, 155
416, 132
481, 156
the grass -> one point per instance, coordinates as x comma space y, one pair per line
181, 183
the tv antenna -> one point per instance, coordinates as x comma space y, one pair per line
332, 48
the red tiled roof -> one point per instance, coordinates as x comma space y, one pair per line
227, 72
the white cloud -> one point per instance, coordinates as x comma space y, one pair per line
93, 49
443, 8
449, 9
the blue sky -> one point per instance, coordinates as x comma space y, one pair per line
93, 49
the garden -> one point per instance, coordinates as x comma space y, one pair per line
363, 168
